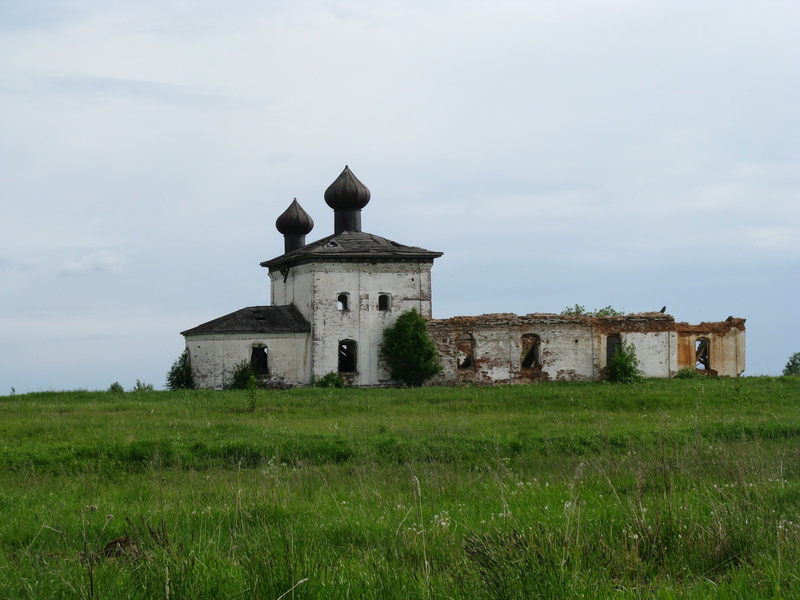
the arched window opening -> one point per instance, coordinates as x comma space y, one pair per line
531, 356
259, 360
384, 302
343, 302
465, 352
347, 356
613, 345
702, 354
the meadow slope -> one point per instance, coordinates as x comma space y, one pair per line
660, 489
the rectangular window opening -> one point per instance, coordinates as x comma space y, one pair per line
384, 302
613, 345
342, 302
531, 358
259, 361
465, 353
702, 358
347, 356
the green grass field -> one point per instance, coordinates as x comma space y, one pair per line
660, 489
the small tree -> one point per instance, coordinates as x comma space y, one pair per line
624, 365
180, 375
409, 352
252, 392
793, 366
242, 373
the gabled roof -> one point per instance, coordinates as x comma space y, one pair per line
356, 245
256, 319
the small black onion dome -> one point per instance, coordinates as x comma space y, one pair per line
347, 192
294, 220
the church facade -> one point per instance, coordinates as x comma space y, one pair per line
332, 299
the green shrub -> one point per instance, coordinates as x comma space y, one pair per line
180, 376
624, 365
687, 373
241, 375
116, 388
607, 311
408, 351
572, 311
579, 309
793, 366
142, 387
329, 380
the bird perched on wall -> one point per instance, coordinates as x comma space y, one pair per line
663, 310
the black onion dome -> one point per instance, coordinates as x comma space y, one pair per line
347, 192
294, 220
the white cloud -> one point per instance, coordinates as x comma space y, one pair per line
101, 261
16, 265
589, 146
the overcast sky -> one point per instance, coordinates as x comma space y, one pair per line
617, 152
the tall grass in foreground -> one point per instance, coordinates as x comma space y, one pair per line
676, 489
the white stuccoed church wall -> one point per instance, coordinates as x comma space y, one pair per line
315, 288
566, 348
295, 286
571, 348
657, 352
214, 357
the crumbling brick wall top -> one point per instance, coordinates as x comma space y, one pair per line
717, 327
628, 323
637, 322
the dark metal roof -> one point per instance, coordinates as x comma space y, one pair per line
353, 245
347, 192
256, 319
294, 220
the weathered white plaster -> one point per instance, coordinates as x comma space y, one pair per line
727, 347
570, 347
215, 356
655, 351
407, 284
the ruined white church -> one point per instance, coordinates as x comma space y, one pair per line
332, 299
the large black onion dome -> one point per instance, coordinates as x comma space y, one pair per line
294, 220
347, 192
